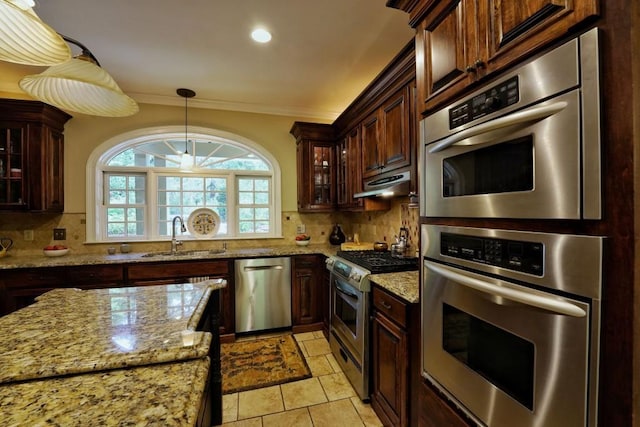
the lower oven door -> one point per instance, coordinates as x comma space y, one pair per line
507, 354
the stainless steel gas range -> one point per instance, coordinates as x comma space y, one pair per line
350, 305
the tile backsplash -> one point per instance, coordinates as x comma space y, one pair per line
371, 227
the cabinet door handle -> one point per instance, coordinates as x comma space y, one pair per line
470, 69
386, 305
479, 63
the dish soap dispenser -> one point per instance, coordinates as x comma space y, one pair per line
337, 236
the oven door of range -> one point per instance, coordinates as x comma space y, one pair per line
348, 319
506, 353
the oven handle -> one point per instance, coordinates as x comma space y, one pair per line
549, 304
529, 115
346, 292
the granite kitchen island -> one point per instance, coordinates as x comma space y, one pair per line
122, 356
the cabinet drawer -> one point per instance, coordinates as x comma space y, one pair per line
390, 306
167, 270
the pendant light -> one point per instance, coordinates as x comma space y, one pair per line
187, 160
25, 39
80, 85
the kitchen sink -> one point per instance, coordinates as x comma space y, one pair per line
204, 252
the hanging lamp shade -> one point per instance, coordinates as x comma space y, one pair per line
25, 39
82, 86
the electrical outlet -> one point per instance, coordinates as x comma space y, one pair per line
59, 234
301, 228
28, 235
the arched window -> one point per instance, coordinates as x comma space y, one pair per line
137, 183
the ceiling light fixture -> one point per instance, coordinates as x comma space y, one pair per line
186, 162
25, 39
80, 85
261, 35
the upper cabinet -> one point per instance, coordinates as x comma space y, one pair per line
31, 156
386, 135
374, 135
459, 42
316, 166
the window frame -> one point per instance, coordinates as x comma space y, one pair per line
96, 168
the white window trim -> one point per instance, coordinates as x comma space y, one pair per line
94, 175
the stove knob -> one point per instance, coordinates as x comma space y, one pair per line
356, 277
330, 261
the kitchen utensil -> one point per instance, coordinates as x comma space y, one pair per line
380, 246
5, 244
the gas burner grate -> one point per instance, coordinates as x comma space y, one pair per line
380, 261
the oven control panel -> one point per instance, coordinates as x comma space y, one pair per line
526, 257
491, 100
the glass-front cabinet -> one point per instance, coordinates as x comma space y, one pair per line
31, 156
316, 166
11, 155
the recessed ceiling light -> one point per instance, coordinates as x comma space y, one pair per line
261, 35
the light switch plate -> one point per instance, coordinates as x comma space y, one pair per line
301, 228
28, 235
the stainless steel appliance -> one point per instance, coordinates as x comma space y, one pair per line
263, 294
510, 324
350, 306
527, 145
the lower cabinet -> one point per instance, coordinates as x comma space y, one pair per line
307, 293
395, 359
435, 412
20, 287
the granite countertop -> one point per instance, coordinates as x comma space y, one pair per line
406, 284
166, 394
107, 357
71, 259
71, 331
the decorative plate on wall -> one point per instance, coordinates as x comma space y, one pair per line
203, 223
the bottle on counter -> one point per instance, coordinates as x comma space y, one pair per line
337, 236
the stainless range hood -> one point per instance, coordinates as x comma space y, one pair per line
388, 186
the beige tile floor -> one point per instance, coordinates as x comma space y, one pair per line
324, 400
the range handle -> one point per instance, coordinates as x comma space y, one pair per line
534, 300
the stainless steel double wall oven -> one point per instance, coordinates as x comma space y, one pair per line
511, 318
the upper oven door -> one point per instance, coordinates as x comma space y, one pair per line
504, 351
522, 165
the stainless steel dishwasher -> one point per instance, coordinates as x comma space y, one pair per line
263, 294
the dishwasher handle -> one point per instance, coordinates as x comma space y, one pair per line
262, 267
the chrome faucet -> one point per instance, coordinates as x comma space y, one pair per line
175, 243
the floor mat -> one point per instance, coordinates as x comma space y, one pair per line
260, 363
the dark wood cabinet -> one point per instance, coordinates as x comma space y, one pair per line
306, 293
459, 42
20, 287
349, 179
31, 156
390, 373
436, 411
316, 166
395, 356
386, 135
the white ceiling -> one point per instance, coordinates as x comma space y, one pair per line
323, 52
